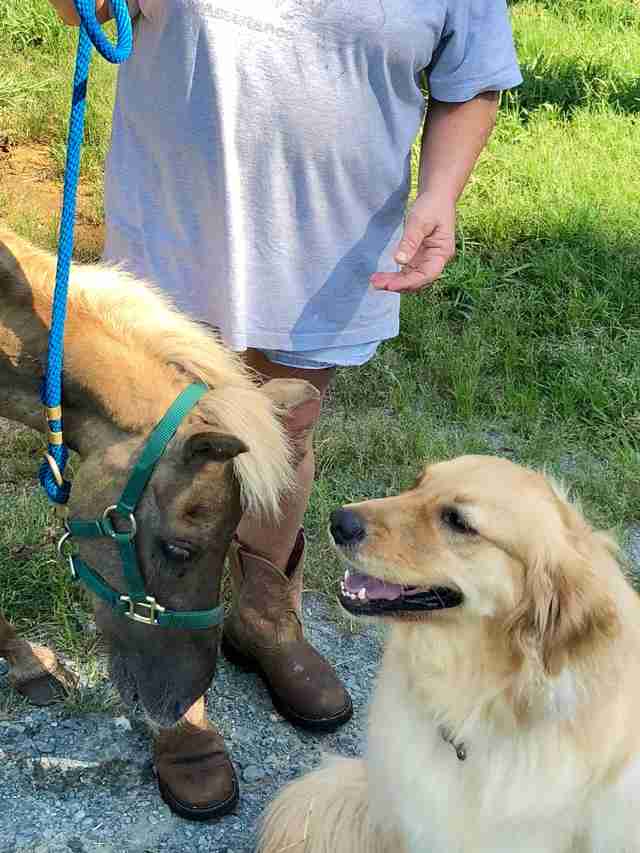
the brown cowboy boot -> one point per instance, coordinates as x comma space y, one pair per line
264, 633
195, 775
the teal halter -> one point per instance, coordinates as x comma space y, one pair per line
137, 605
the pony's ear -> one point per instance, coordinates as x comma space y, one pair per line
203, 444
565, 612
298, 404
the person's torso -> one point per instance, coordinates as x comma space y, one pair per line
274, 137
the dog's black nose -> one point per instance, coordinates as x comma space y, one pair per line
347, 528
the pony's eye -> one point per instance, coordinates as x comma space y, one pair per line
455, 521
178, 553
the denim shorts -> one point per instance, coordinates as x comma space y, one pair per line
354, 355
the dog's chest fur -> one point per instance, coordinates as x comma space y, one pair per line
508, 794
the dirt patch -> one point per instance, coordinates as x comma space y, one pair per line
31, 190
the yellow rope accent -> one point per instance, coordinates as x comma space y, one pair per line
54, 437
53, 413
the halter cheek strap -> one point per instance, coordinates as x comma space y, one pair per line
137, 605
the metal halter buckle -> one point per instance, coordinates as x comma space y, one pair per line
149, 603
110, 529
62, 552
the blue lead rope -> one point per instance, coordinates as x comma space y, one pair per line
91, 34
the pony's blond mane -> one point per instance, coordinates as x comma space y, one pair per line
132, 348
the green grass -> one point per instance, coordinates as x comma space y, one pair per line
37, 55
530, 344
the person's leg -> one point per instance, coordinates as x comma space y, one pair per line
275, 541
195, 775
263, 630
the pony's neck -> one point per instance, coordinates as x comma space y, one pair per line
107, 375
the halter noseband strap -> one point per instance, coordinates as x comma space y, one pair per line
137, 605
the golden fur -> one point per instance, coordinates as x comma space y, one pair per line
536, 674
131, 350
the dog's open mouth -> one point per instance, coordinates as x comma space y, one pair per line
364, 595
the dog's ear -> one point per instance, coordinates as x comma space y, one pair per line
565, 612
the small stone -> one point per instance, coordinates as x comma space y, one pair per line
79, 815
4, 667
122, 723
633, 544
276, 718
252, 773
12, 729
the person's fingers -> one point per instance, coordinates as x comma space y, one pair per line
410, 278
415, 231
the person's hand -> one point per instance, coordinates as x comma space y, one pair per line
427, 244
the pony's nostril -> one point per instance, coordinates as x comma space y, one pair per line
347, 528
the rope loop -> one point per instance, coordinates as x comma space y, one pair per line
114, 53
91, 33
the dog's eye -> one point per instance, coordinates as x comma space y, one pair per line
178, 553
454, 520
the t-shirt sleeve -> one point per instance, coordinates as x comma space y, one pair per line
476, 52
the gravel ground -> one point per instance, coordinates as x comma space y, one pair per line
84, 784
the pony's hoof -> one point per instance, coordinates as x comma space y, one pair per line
48, 688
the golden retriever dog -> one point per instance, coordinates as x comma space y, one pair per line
506, 715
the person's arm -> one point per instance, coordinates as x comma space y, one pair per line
454, 136
67, 11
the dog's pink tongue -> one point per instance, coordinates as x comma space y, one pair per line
373, 587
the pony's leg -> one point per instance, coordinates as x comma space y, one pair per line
34, 670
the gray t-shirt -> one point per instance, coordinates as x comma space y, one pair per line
259, 165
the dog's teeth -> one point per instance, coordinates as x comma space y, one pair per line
362, 594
